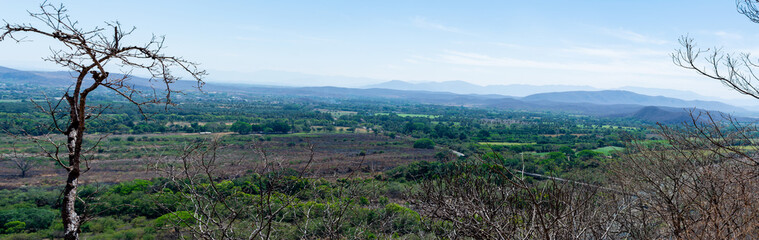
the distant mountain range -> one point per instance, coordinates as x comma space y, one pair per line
522, 90
296, 79
609, 97
664, 114
610, 103
461, 87
65, 79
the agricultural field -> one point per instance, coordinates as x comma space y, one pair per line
121, 158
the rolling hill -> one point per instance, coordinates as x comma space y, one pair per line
609, 103
612, 97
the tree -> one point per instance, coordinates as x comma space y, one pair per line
92, 55
425, 143
208, 204
240, 127
567, 150
481, 200
701, 183
277, 126
737, 71
23, 163
587, 154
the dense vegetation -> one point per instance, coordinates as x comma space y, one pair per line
223, 165
369, 203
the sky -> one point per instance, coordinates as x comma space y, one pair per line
604, 44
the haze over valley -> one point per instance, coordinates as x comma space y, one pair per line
379, 120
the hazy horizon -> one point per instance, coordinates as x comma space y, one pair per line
601, 44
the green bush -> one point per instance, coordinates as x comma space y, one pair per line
14, 227
175, 219
102, 225
34, 218
587, 154
127, 188
424, 143
404, 220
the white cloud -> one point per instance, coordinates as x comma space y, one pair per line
634, 37
313, 38
411, 60
507, 45
422, 22
245, 38
616, 53
727, 35
249, 28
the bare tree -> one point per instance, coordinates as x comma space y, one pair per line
737, 71
218, 210
91, 54
701, 184
708, 172
210, 203
23, 163
484, 200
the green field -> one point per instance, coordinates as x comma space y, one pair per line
607, 150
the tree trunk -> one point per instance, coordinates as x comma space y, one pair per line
71, 220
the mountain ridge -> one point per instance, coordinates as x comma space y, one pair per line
523, 90
607, 97
462, 87
612, 103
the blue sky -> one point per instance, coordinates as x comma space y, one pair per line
605, 44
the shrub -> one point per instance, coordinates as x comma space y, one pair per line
404, 220
424, 143
587, 154
14, 227
102, 225
127, 188
174, 219
34, 218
